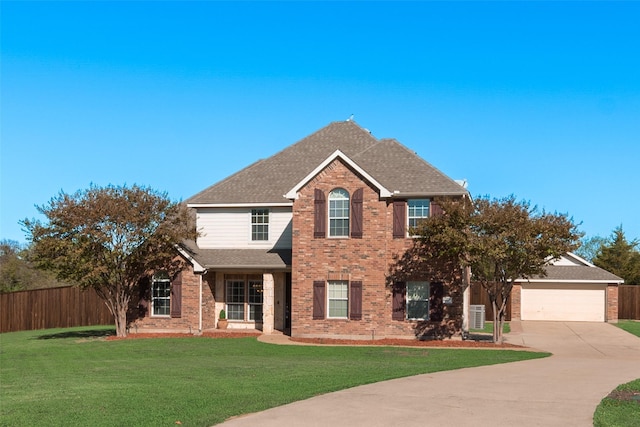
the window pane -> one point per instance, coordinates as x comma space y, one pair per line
161, 296
235, 291
255, 292
418, 310
338, 213
338, 296
260, 224
235, 311
255, 312
417, 210
417, 300
337, 308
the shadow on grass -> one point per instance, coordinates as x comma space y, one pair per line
86, 334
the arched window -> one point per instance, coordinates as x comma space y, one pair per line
339, 213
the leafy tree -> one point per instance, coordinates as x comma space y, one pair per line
590, 247
500, 240
17, 273
109, 238
10, 266
621, 257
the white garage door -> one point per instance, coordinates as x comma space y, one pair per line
567, 302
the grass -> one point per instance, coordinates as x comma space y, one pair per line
631, 326
488, 328
76, 377
621, 408
620, 412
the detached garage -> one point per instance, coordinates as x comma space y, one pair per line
573, 290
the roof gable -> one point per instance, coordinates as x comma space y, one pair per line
293, 193
386, 163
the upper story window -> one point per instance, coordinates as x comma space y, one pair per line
418, 210
161, 294
259, 224
339, 213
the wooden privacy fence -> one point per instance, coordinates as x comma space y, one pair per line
629, 302
479, 296
52, 308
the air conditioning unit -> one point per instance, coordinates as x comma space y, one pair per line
476, 314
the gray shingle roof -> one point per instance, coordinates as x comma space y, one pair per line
579, 273
240, 258
389, 162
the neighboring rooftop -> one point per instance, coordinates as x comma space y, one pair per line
393, 165
572, 268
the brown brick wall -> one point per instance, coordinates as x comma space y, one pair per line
612, 303
516, 302
367, 260
189, 320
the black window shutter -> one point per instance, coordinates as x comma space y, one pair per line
399, 303
436, 309
320, 214
356, 214
318, 299
399, 219
176, 296
355, 296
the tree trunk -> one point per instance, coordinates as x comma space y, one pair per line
121, 323
498, 319
496, 315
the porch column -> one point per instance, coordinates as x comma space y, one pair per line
268, 296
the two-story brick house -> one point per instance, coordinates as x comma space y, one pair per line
304, 241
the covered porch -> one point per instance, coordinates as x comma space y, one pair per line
252, 286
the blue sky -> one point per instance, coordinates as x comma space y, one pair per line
536, 99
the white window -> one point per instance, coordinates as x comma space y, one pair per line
160, 294
243, 297
339, 213
418, 211
259, 224
418, 300
338, 299
255, 300
235, 299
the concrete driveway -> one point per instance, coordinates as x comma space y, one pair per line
590, 359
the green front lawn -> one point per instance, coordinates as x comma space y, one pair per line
488, 328
622, 407
76, 377
631, 326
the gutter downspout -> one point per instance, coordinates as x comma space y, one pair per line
200, 305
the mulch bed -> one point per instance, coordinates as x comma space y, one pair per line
625, 396
207, 334
327, 341
408, 343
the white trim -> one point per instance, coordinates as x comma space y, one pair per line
561, 281
293, 193
571, 254
197, 267
238, 205
400, 195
